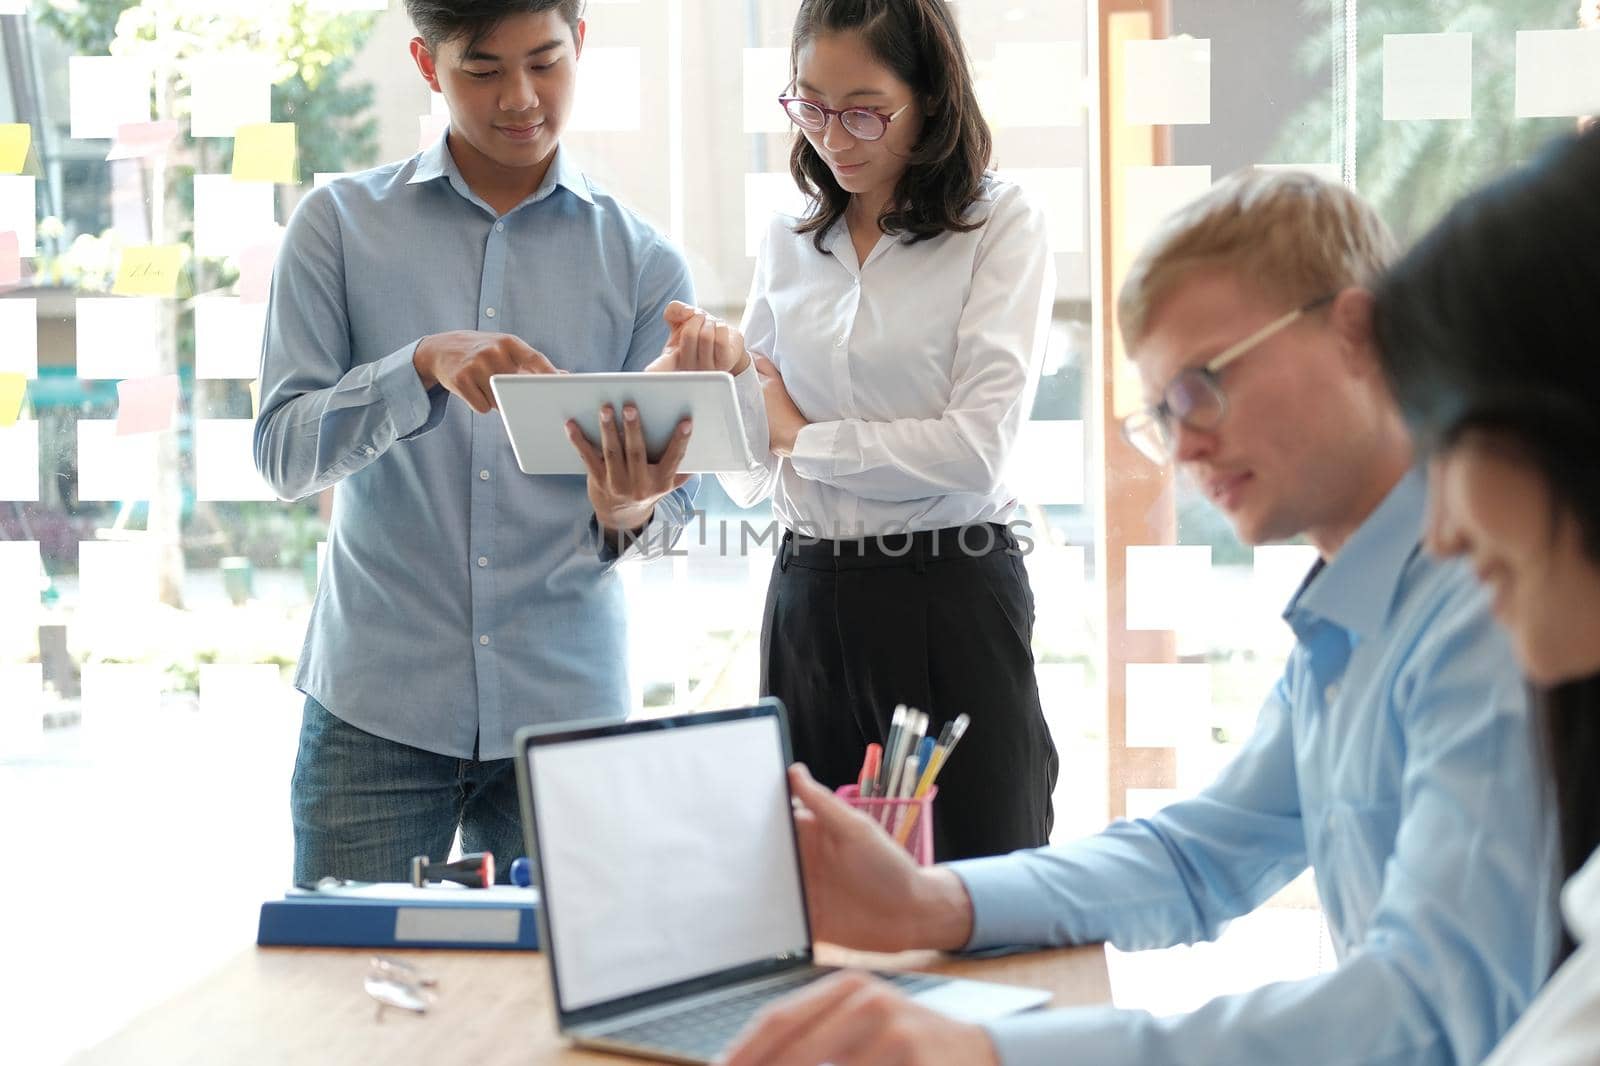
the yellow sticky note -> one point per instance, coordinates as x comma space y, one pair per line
12, 387
150, 270
264, 151
15, 137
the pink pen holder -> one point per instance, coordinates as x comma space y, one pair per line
909, 821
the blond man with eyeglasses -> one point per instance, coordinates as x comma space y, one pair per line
1392, 757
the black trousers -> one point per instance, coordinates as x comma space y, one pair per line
853, 628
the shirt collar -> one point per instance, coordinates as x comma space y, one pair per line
1356, 588
435, 162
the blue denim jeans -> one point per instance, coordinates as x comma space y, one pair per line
363, 805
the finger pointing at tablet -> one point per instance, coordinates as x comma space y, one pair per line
462, 361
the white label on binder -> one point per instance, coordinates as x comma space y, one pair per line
467, 925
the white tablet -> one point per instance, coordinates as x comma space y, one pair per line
536, 408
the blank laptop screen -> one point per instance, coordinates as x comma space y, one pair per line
666, 855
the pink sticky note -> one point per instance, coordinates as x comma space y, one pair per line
146, 405
141, 140
255, 271
10, 261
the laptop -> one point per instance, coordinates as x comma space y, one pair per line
672, 904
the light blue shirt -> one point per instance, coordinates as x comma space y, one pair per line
1395, 756
460, 598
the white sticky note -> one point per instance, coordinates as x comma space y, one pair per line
19, 461
227, 337
118, 336
1427, 76
19, 337
116, 576
229, 215
1047, 462
20, 580
22, 702
112, 467
766, 76
229, 91
1325, 171
19, 211
224, 461
1558, 73
1151, 193
1169, 585
1033, 84
321, 177
1167, 82
14, 7
1059, 192
238, 690
767, 194
1276, 574
106, 92
607, 90
119, 694
1168, 704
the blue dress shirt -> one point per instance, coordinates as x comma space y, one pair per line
1395, 756
460, 598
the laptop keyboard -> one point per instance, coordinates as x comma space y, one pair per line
700, 1032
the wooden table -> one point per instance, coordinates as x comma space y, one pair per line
306, 1005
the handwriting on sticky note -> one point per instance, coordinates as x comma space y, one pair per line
146, 405
15, 137
150, 270
12, 386
264, 151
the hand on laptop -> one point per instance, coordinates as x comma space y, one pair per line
624, 485
862, 889
851, 1019
464, 359
700, 341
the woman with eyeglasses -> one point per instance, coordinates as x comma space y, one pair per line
896, 329
1491, 340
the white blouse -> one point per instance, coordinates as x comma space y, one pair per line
916, 370
1562, 1025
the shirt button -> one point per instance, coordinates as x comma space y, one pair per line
483, 475
484, 640
499, 227
488, 312
371, 450
838, 342
483, 560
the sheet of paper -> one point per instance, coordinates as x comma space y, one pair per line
1033, 84
112, 467
146, 405
15, 137
765, 75
1047, 462
608, 90
10, 259
1167, 82
229, 91
227, 337
118, 337
19, 212
19, 461
1153, 193
264, 151
1168, 704
143, 140
229, 215
1427, 76
1059, 192
224, 461
1558, 73
1169, 586
106, 92
149, 271
13, 387
19, 336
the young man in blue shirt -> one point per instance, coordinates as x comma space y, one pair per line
1393, 756
458, 601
